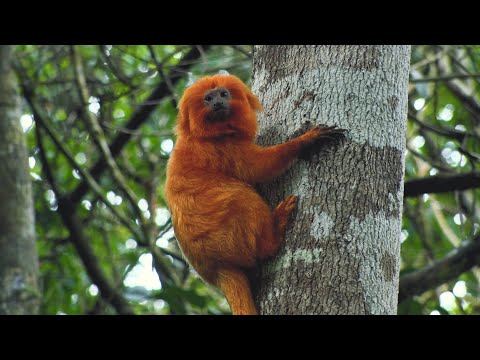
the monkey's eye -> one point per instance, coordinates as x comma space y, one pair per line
208, 98
223, 94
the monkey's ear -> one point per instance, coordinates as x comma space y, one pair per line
183, 122
253, 101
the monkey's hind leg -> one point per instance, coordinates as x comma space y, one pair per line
273, 233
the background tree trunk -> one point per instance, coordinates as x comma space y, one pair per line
18, 253
342, 248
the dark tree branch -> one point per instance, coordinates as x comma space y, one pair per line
441, 184
451, 266
81, 243
43, 160
470, 103
90, 261
137, 119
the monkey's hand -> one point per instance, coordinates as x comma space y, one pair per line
319, 137
318, 132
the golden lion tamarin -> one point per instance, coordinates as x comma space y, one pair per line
222, 224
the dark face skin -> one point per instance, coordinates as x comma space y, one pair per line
217, 102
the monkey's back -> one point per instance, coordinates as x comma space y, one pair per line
214, 216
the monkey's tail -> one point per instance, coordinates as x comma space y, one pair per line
235, 286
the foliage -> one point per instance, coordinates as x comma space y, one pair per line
442, 140
131, 93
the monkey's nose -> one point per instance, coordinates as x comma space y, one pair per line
218, 106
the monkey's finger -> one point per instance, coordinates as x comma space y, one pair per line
334, 128
336, 132
329, 136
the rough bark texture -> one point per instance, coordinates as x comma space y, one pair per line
342, 249
18, 253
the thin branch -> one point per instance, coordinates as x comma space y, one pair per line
471, 155
174, 255
81, 243
164, 77
451, 266
101, 142
459, 63
113, 67
137, 119
430, 161
90, 261
469, 101
438, 212
92, 184
156, 134
441, 184
166, 276
428, 60
43, 160
442, 130
445, 78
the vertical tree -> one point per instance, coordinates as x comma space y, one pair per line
342, 249
18, 259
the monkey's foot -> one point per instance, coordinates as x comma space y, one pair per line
281, 213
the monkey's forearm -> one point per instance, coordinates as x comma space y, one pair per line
266, 163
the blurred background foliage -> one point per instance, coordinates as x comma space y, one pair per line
99, 125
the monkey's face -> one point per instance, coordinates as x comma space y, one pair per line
218, 106
217, 101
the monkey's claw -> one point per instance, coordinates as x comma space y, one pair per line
326, 132
334, 129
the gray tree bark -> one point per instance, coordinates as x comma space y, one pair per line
18, 252
342, 248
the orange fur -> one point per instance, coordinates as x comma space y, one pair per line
221, 223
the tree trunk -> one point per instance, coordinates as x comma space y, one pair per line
342, 249
18, 252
